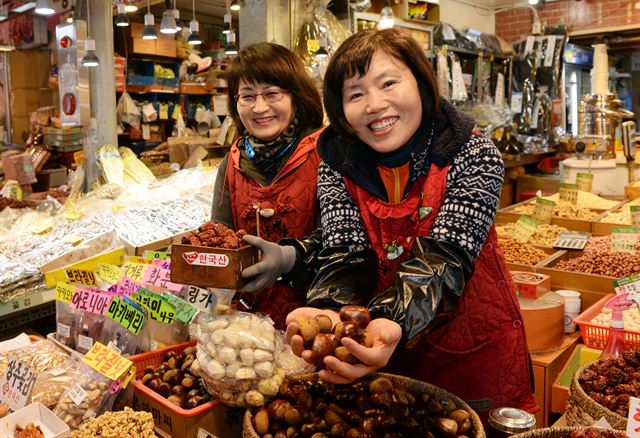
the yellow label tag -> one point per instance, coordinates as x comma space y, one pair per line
109, 273
524, 228
134, 271
313, 46
130, 375
141, 260
73, 214
543, 211
568, 193
73, 239
118, 207
106, 361
64, 292
584, 181
41, 227
81, 276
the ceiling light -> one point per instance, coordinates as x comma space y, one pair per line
322, 51
168, 23
235, 5
130, 7
44, 8
387, 20
121, 19
231, 48
226, 28
194, 36
176, 16
90, 59
6, 48
149, 31
533, 2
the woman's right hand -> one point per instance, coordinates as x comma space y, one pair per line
291, 335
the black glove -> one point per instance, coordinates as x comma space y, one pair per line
428, 287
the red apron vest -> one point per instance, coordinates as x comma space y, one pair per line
292, 196
480, 353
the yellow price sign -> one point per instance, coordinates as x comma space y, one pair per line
584, 181
106, 361
64, 292
81, 276
524, 228
109, 273
313, 46
543, 211
41, 227
134, 271
568, 193
73, 214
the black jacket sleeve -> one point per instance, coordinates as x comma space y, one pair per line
427, 289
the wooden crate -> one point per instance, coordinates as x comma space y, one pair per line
551, 254
631, 192
211, 267
591, 287
606, 228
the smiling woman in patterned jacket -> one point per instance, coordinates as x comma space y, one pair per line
407, 189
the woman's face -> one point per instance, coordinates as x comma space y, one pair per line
261, 113
383, 106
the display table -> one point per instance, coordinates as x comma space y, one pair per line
546, 367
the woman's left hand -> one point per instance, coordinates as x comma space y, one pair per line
385, 335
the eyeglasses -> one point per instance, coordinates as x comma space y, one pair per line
269, 96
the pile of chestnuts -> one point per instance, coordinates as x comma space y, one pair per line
376, 408
323, 338
173, 380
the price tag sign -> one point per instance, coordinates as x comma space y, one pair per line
159, 309
184, 311
77, 394
624, 240
81, 276
528, 46
64, 292
73, 214
313, 46
633, 418
109, 273
127, 287
134, 271
516, 103
524, 228
140, 260
200, 298
155, 255
571, 240
584, 181
106, 361
543, 211
93, 301
635, 215
551, 47
569, 193
16, 384
630, 284
126, 315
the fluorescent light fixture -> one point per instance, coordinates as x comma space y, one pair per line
130, 7
122, 20
235, 5
533, 2
44, 8
231, 48
90, 59
168, 23
194, 36
149, 31
25, 7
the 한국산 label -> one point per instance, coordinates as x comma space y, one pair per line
206, 259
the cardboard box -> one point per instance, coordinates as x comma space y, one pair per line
530, 284
181, 148
29, 69
39, 415
211, 267
143, 47
166, 47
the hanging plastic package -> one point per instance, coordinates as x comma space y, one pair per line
443, 75
458, 92
499, 97
127, 111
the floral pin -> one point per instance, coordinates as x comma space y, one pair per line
393, 250
423, 211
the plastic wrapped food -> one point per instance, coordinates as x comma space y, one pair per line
39, 356
51, 385
65, 324
88, 330
122, 424
119, 339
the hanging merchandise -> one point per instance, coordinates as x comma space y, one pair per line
325, 27
445, 34
527, 96
443, 74
127, 111
458, 91
499, 96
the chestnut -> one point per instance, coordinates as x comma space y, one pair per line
458, 414
379, 385
187, 363
172, 363
381, 400
354, 417
146, 379
260, 421
277, 409
280, 434
339, 430
179, 390
447, 426
176, 400
350, 330
164, 390
150, 369
465, 426
324, 323
172, 376
190, 351
155, 384
308, 328
449, 405
294, 415
188, 381
331, 418
293, 432
193, 402
317, 425
408, 425
385, 421
319, 435
343, 354
357, 432
359, 315
434, 406
193, 393
323, 345
369, 425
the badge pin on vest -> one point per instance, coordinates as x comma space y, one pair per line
393, 250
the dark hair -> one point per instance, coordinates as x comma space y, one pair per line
354, 57
275, 65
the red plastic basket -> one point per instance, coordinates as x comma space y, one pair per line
155, 358
596, 336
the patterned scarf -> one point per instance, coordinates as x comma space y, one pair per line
268, 156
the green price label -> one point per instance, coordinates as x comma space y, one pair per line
569, 193
126, 315
524, 228
624, 240
159, 308
627, 284
584, 181
635, 215
184, 311
156, 255
543, 211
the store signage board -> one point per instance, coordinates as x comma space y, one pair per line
158, 276
633, 418
624, 239
184, 311
572, 240
584, 181
16, 384
159, 309
134, 271
543, 211
106, 361
126, 315
524, 228
155, 255
568, 193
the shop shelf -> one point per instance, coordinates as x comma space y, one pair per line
26, 301
596, 336
144, 81
167, 82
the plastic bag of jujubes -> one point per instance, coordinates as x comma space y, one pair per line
242, 358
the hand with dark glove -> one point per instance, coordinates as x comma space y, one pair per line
276, 260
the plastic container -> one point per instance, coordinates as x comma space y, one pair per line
505, 422
596, 336
175, 421
571, 308
39, 415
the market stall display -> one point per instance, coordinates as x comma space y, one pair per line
521, 253
572, 432
598, 258
544, 235
121, 424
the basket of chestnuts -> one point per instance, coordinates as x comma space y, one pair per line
380, 405
571, 432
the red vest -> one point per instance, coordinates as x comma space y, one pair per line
292, 196
480, 353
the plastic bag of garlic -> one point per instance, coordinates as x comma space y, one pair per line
243, 359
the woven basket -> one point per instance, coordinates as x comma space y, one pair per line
405, 383
549, 432
583, 411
